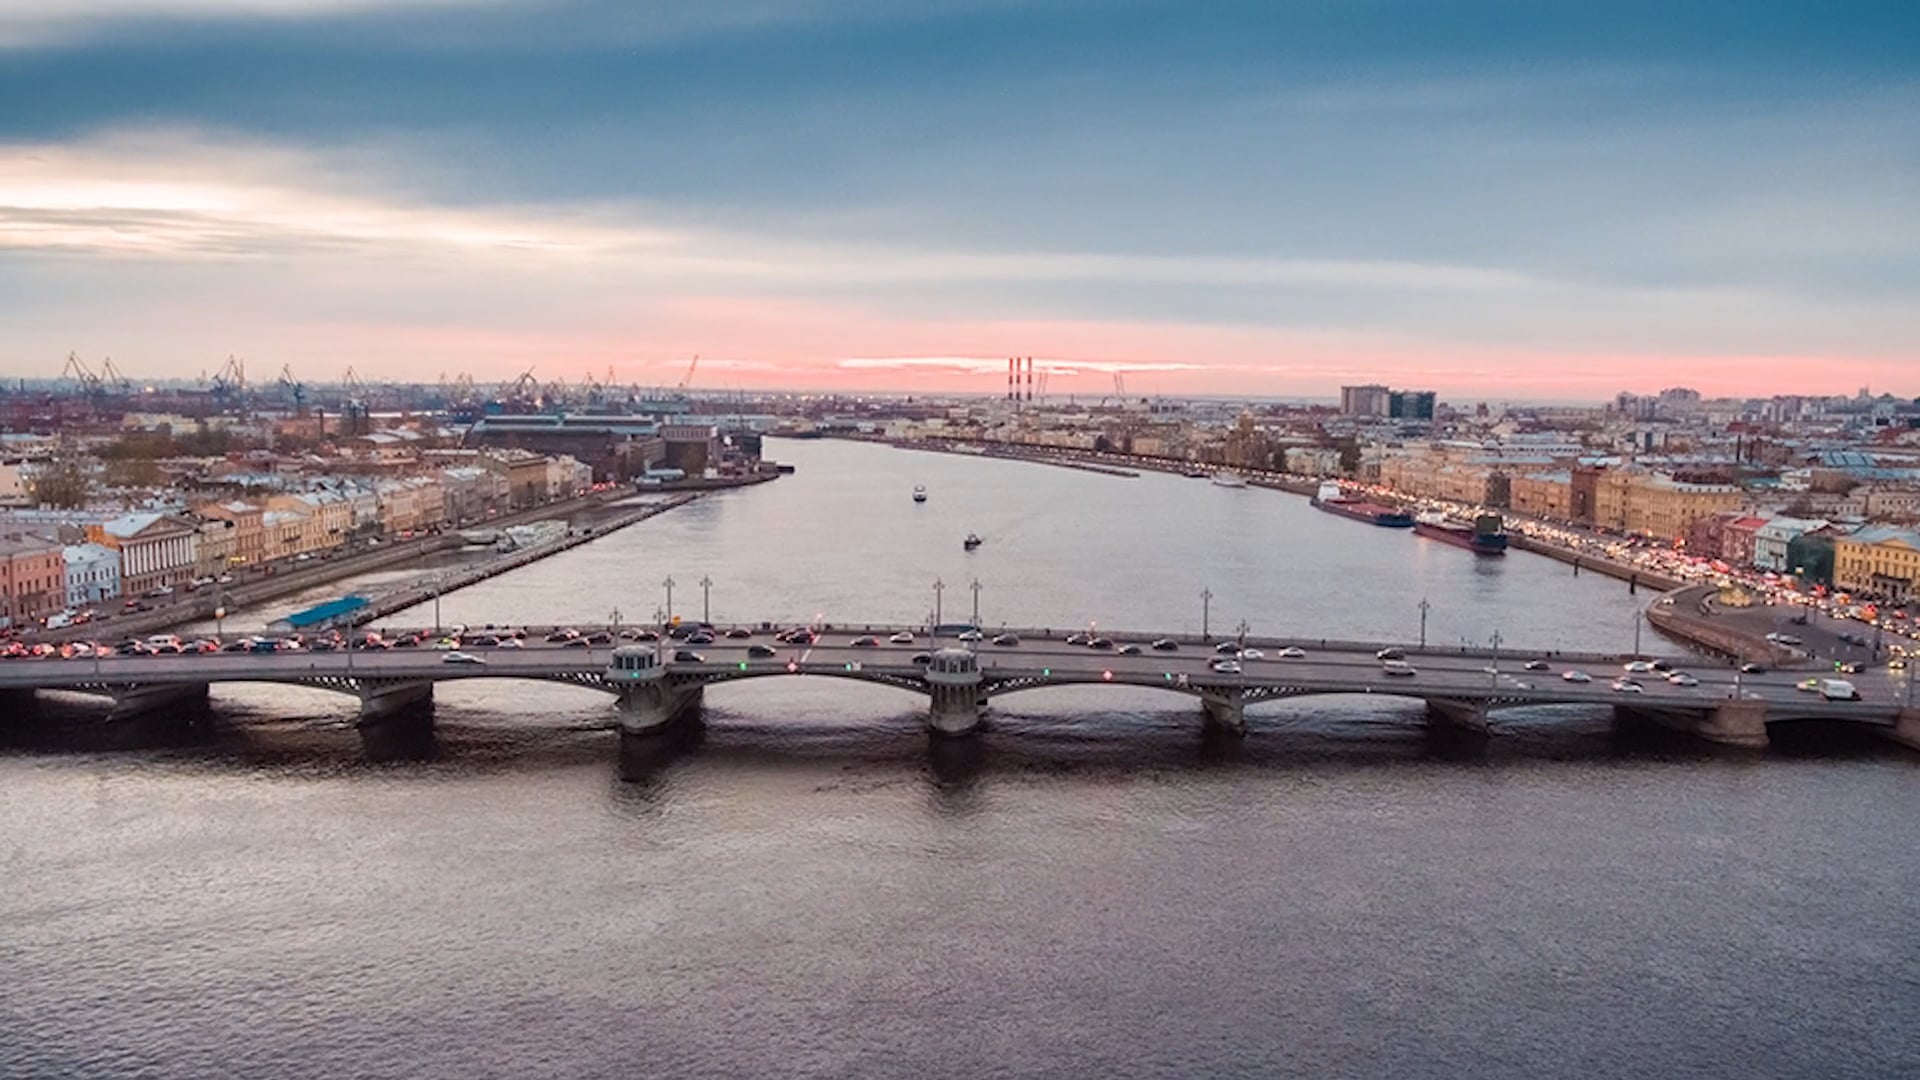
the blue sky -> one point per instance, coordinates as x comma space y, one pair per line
1507, 199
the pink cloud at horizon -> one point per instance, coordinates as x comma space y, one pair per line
763, 343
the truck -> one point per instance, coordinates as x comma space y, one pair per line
1838, 690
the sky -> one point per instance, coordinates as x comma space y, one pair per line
1516, 199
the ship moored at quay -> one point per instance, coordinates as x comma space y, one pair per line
1333, 501
1485, 535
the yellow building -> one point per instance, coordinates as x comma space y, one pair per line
1654, 505
1547, 495
1879, 559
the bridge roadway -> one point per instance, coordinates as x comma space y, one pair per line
1458, 689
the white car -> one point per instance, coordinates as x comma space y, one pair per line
1292, 652
1576, 676
1626, 686
1681, 678
511, 643
1225, 666
1638, 667
1252, 654
462, 658
902, 638
1397, 667
971, 635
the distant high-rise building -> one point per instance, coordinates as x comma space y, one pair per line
1365, 400
1410, 404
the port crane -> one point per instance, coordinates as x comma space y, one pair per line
294, 389
229, 384
78, 370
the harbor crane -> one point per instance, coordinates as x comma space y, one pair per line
230, 382
687, 379
295, 390
78, 370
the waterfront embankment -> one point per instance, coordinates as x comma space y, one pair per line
280, 582
419, 592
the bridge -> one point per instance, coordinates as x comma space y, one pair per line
652, 690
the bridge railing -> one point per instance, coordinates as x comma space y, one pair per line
833, 628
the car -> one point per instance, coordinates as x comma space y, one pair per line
1079, 639
1252, 654
485, 641
1006, 641
739, 633
1810, 686
323, 645
1166, 645
573, 643
1224, 665
1398, 667
1391, 653
698, 637
1576, 676
1681, 678
866, 642
923, 658
1637, 667
1851, 667
970, 636
562, 635
158, 590
1291, 652
758, 651
446, 643
640, 635
1536, 665
457, 657
1129, 649
1100, 643
1753, 669
1227, 648
1626, 686
901, 638
506, 643
1898, 663
688, 656
224, 579
1838, 690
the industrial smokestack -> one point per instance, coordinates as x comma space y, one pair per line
1029, 378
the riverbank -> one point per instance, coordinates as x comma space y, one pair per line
413, 595
965, 448
299, 577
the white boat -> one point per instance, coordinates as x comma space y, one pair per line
919, 493
1229, 479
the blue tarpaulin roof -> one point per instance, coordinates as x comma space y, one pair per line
327, 612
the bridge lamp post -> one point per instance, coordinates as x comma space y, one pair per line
669, 584
706, 599
1639, 616
1241, 630
1493, 669
615, 615
938, 588
976, 601
1206, 609
1424, 608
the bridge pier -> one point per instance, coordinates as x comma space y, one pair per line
1906, 729
380, 701
137, 701
1468, 716
1225, 710
1741, 724
1736, 723
953, 679
650, 708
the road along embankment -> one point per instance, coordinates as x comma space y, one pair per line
416, 593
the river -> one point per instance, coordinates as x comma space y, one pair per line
810, 889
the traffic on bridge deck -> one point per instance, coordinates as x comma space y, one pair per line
1724, 704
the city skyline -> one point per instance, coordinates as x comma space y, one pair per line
1506, 201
